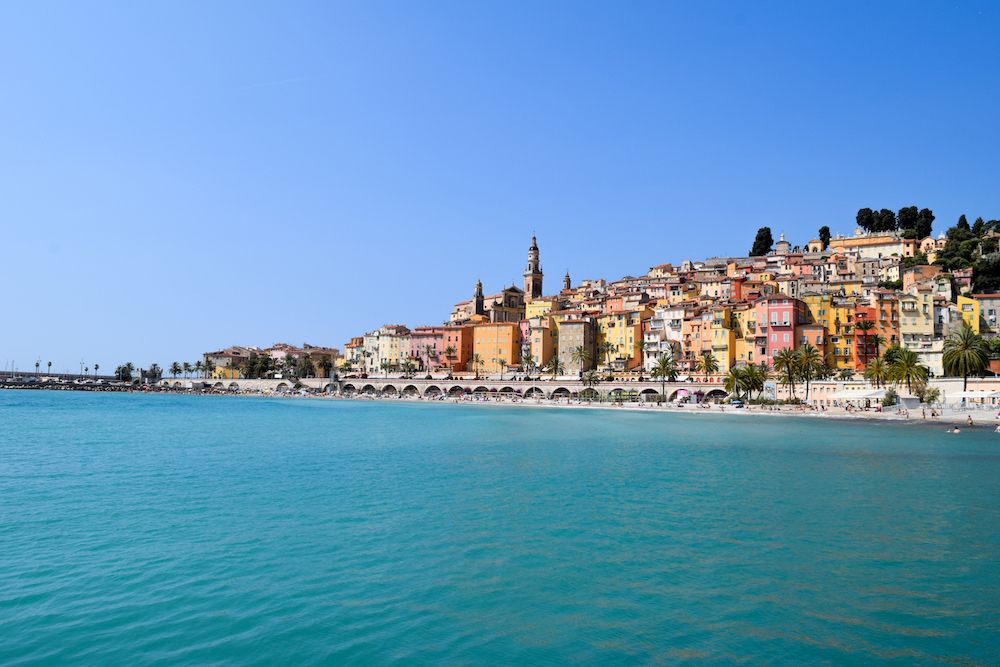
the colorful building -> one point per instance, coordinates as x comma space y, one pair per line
498, 345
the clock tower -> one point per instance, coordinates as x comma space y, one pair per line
533, 274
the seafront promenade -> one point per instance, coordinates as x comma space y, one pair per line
411, 387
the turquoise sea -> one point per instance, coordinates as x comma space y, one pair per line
205, 530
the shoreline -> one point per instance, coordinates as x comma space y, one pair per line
982, 419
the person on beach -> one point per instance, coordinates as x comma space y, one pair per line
969, 420
955, 430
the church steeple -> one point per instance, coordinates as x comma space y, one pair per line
477, 298
533, 273
566, 282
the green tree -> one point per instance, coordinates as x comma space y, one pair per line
877, 372
809, 362
503, 366
907, 217
906, 367
708, 364
590, 380
199, 367
477, 363
786, 362
187, 368
606, 349
735, 381
965, 353
326, 365
863, 329
824, 236
665, 370
155, 372
556, 366
175, 368
763, 242
925, 221
886, 220
581, 356
866, 219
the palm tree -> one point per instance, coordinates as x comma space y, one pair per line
708, 364
591, 380
605, 349
640, 347
155, 371
907, 368
665, 369
50, 368
581, 356
97, 367
209, 367
877, 371
879, 341
476, 362
735, 381
199, 367
555, 366
891, 353
755, 377
810, 360
787, 362
326, 364
862, 328
38, 365
965, 353
502, 363
187, 368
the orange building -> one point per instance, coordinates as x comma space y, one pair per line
498, 345
885, 307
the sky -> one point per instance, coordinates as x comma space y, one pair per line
176, 177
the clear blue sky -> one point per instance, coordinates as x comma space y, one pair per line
176, 177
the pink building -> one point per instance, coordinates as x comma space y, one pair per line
777, 316
427, 346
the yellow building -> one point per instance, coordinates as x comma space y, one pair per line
623, 331
744, 327
970, 310
539, 307
723, 338
916, 319
541, 339
498, 345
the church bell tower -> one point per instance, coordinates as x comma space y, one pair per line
533, 274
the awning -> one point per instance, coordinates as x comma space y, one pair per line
975, 394
859, 394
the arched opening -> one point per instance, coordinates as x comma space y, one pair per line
282, 386
432, 391
178, 384
480, 391
456, 391
218, 385
561, 392
390, 391
233, 386
327, 388
409, 391
368, 390
534, 392
507, 391
678, 395
648, 395
589, 394
348, 390
715, 395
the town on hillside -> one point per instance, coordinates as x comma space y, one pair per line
890, 284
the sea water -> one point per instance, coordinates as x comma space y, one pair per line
197, 530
